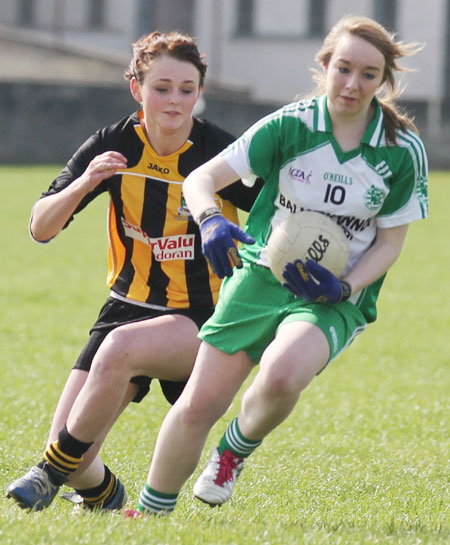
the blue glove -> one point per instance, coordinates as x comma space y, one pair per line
218, 246
312, 282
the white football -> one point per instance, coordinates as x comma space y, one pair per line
308, 235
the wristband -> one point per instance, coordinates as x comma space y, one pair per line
346, 290
208, 213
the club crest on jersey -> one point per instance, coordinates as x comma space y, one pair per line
373, 198
163, 248
183, 213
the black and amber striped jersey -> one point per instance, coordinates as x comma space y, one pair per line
154, 252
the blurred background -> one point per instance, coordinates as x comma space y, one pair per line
62, 63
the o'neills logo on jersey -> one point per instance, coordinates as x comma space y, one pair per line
338, 178
154, 166
163, 248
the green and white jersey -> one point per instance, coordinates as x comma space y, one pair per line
373, 186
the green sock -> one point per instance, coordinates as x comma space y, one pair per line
152, 501
234, 441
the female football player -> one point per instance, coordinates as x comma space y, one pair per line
161, 287
348, 153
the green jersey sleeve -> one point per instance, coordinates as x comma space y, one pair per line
407, 200
256, 154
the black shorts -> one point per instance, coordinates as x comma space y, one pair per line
115, 313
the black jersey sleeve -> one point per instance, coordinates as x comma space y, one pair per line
117, 137
75, 167
241, 195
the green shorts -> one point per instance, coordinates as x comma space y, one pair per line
253, 305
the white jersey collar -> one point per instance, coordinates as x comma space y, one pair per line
374, 135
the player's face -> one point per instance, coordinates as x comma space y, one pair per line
353, 75
169, 93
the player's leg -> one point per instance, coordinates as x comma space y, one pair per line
72, 388
95, 485
87, 472
308, 337
91, 473
299, 351
19, 489
213, 384
162, 347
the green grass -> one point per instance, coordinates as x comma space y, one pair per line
364, 458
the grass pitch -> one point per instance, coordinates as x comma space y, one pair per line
364, 458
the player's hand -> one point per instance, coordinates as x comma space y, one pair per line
103, 166
311, 281
218, 246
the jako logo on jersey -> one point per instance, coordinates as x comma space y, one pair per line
300, 175
164, 248
154, 166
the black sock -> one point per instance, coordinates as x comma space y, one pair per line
101, 494
71, 446
66, 454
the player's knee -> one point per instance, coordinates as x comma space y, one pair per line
112, 356
281, 386
119, 346
198, 412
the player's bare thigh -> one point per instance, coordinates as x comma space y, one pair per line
164, 347
299, 351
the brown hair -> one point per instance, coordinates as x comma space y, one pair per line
174, 44
384, 41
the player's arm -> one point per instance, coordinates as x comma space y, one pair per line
379, 257
51, 213
201, 185
218, 234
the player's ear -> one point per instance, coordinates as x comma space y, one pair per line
199, 106
135, 90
